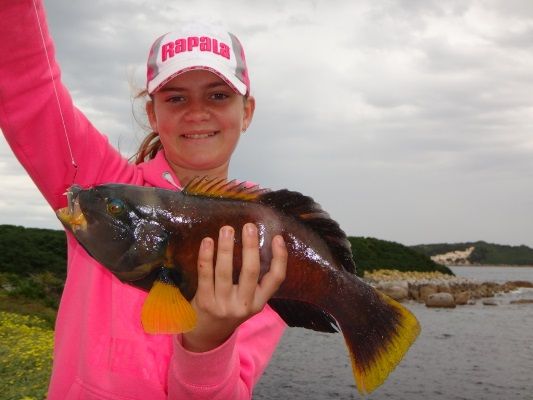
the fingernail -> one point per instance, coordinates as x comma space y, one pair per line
279, 241
226, 232
207, 243
250, 229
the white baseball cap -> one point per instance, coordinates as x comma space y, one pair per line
198, 46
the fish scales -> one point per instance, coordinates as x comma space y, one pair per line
208, 214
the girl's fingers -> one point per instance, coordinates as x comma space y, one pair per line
224, 263
250, 264
273, 279
206, 280
216, 292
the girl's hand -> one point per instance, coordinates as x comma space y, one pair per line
222, 306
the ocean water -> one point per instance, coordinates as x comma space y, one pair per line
470, 352
495, 274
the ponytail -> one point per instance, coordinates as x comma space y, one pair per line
148, 148
150, 145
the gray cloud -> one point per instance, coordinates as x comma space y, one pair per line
408, 120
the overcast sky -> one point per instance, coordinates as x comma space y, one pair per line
408, 121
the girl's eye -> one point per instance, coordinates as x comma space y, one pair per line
176, 99
219, 96
115, 206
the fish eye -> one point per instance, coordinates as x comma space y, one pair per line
115, 206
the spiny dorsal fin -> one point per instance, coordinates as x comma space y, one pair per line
301, 207
310, 213
221, 188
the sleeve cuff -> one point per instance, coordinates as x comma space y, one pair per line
210, 368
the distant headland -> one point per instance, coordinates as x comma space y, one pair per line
477, 253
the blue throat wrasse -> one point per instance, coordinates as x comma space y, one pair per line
149, 237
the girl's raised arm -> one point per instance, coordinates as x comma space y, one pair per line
52, 139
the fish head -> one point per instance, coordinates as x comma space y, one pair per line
117, 226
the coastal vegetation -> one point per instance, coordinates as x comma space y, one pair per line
482, 253
372, 254
32, 273
32, 270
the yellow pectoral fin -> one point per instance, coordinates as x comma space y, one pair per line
165, 310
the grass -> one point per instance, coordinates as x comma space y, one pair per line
26, 343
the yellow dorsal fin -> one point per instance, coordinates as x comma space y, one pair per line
165, 310
221, 188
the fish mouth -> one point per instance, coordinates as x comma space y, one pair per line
71, 216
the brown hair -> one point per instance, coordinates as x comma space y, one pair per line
148, 148
151, 144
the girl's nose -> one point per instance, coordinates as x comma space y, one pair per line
197, 111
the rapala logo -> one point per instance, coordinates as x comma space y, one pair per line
192, 43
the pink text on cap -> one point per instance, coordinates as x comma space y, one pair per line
203, 43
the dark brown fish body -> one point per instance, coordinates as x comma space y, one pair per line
305, 247
134, 231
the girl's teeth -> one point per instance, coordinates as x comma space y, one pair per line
199, 136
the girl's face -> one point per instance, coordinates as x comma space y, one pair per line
199, 119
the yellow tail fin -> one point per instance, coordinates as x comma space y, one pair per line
385, 350
166, 310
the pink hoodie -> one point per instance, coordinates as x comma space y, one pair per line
101, 350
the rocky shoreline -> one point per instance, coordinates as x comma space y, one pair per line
436, 289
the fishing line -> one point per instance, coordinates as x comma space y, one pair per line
72, 160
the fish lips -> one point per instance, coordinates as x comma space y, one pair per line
71, 216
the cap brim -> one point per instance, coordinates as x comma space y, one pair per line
173, 70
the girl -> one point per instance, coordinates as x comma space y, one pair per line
199, 104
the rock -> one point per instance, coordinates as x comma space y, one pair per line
485, 290
414, 292
522, 301
420, 285
443, 288
489, 302
396, 290
426, 291
521, 284
462, 298
440, 300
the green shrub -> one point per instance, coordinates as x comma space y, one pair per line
373, 254
43, 286
24, 251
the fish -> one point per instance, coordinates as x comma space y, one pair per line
149, 238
